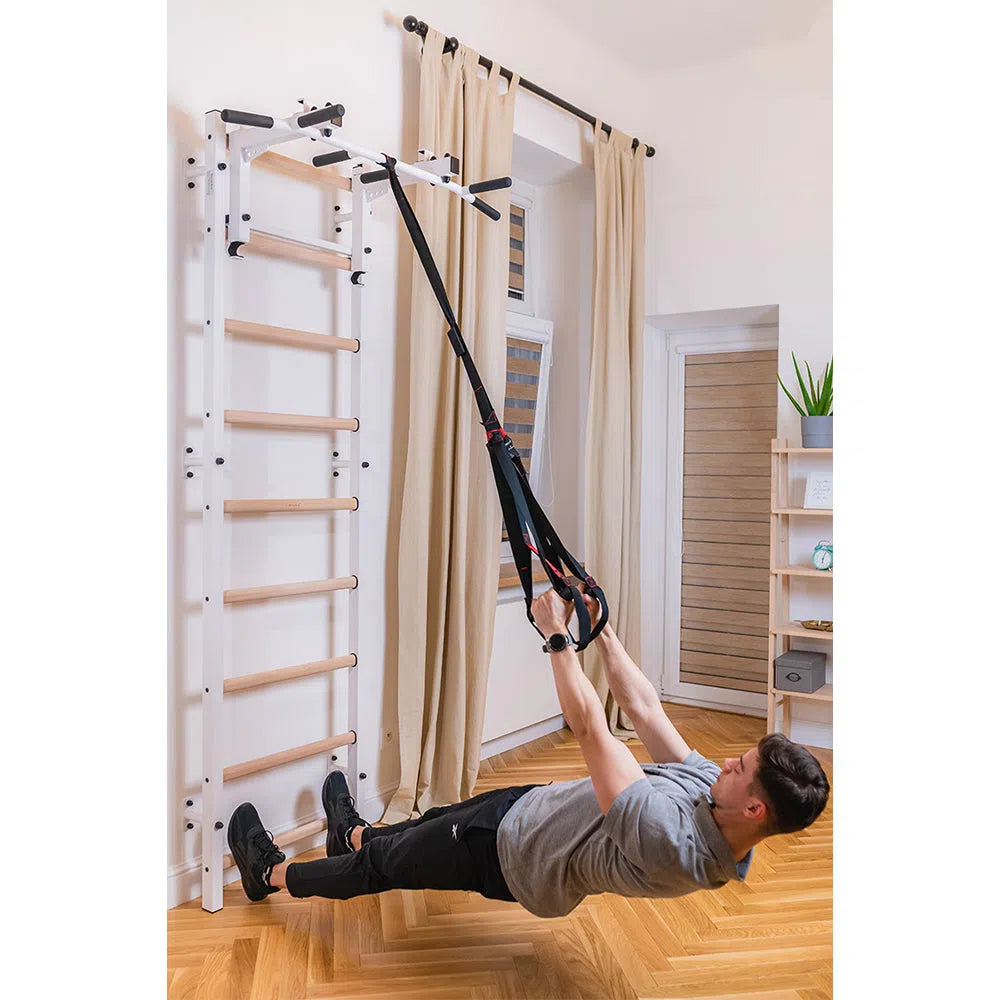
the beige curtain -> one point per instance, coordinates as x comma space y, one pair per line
614, 414
449, 551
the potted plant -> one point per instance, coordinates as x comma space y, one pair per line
817, 397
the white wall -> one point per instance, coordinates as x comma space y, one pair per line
745, 190
743, 175
259, 56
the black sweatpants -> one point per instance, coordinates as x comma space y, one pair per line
449, 847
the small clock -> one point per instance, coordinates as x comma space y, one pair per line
823, 555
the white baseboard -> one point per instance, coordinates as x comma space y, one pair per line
501, 744
716, 706
813, 734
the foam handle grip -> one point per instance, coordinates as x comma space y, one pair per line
325, 159
246, 118
496, 184
486, 209
327, 114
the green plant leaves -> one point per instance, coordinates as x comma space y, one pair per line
802, 385
817, 397
791, 397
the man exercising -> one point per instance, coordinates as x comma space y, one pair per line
663, 829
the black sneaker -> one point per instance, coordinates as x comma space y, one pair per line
341, 816
254, 852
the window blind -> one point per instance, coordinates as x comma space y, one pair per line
515, 276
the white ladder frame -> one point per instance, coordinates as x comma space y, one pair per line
221, 164
226, 173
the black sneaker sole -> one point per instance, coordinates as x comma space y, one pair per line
234, 834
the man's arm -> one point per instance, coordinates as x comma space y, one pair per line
640, 701
610, 763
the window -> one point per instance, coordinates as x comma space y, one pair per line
525, 409
521, 261
515, 276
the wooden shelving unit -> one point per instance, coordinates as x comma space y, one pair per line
781, 628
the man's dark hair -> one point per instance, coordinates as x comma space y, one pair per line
793, 783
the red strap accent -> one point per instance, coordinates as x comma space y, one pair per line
554, 569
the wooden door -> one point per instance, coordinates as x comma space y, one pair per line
730, 412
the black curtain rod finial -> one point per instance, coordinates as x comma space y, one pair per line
410, 23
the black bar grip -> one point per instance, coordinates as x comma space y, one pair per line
374, 175
331, 113
325, 159
246, 118
496, 184
486, 209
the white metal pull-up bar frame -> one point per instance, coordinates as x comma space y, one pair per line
264, 131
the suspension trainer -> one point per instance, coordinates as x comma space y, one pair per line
527, 526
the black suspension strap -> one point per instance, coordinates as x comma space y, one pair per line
528, 529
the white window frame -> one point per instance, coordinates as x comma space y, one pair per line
537, 331
522, 195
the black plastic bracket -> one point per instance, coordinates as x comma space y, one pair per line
234, 249
356, 278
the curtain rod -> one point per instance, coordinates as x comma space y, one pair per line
410, 23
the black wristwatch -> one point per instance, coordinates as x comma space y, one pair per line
556, 643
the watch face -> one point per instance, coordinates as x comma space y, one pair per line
557, 643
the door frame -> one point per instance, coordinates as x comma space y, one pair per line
667, 410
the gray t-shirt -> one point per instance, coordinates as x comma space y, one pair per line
659, 838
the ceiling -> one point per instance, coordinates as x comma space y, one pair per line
666, 34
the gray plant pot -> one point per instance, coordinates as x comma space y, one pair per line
817, 432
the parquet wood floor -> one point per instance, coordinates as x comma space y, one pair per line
767, 939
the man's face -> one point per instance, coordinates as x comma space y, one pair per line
732, 788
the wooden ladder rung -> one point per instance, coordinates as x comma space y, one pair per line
300, 171
292, 505
246, 594
248, 681
290, 837
243, 330
275, 246
288, 756
290, 421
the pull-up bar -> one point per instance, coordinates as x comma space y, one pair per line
268, 130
